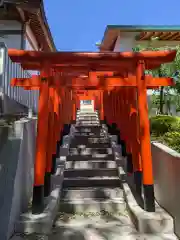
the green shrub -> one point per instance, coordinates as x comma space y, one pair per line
161, 124
172, 139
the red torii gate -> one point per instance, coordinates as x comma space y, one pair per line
130, 64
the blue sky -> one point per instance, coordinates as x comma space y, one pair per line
76, 25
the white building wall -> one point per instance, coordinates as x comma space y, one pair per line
117, 45
125, 42
27, 98
30, 35
28, 46
11, 41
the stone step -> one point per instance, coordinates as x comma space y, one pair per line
90, 151
88, 134
92, 206
92, 193
87, 118
77, 143
88, 130
92, 182
99, 139
101, 230
91, 164
84, 118
73, 173
89, 127
87, 114
89, 139
90, 124
86, 121
90, 118
99, 157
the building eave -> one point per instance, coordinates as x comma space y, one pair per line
165, 33
34, 13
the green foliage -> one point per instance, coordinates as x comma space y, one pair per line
166, 129
162, 124
173, 140
168, 69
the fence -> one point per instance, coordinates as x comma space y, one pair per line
9, 70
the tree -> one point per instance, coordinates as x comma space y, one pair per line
165, 70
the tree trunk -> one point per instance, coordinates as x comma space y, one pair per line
161, 100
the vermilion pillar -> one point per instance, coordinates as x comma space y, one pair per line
56, 129
145, 145
41, 143
50, 143
74, 112
101, 106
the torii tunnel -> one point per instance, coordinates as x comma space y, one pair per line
118, 85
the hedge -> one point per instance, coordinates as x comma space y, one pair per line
166, 129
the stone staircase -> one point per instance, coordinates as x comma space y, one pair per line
92, 205
92, 196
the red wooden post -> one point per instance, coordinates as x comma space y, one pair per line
50, 143
119, 111
101, 107
128, 132
110, 108
135, 142
149, 203
74, 112
118, 121
61, 117
56, 130
41, 143
123, 123
105, 105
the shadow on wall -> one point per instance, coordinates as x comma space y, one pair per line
16, 174
10, 106
166, 170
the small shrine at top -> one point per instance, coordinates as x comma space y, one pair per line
117, 84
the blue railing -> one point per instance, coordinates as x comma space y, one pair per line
9, 70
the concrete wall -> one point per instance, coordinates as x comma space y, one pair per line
16, 174
166, 168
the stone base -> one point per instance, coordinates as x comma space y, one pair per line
158, 222
42, 223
